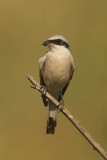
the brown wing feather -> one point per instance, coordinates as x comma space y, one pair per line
45, 100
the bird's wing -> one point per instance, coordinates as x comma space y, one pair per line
72, 69
41, 70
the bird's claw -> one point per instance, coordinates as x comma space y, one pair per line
43, 95
44, 89
62, 106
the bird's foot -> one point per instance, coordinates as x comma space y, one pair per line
62, 106
44, 89
45, 100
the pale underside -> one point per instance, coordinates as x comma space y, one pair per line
56, 69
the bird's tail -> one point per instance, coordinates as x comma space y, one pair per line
52, 118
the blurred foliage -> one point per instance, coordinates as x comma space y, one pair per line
24, 25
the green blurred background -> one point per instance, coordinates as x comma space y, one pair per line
24, 25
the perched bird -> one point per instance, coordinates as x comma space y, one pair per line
56, 71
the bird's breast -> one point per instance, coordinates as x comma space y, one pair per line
57, 71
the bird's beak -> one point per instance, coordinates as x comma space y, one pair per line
45, 43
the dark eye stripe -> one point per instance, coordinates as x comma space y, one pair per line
59, 42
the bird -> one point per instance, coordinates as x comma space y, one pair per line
56, 70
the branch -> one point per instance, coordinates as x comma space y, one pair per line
76, 123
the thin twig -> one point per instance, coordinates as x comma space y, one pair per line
76, 123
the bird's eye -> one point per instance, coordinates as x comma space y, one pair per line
58, 41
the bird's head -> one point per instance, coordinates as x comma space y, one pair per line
57, 42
